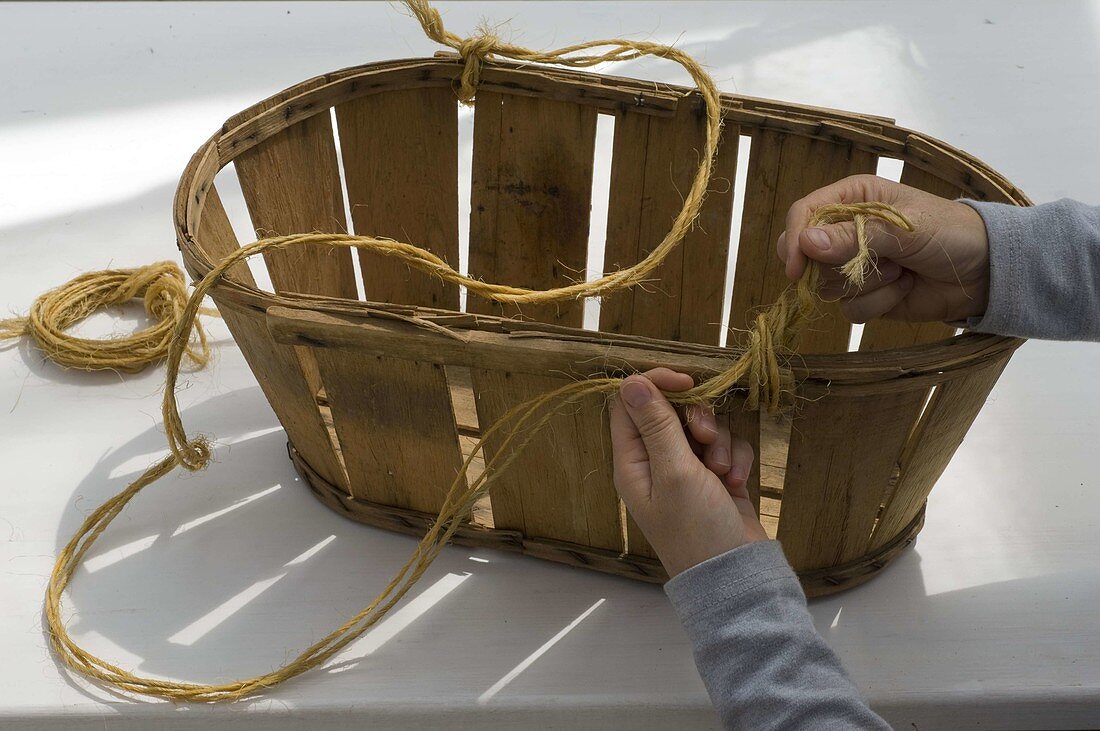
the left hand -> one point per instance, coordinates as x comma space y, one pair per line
683, 481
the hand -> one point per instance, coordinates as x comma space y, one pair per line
940, 271
684, 485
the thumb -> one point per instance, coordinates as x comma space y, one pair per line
656, 421
836, 243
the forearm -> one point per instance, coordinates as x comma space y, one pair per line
763, 662
1044, 270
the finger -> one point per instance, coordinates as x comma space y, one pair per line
629, 457
836, 286
836, 243
853, 189
741, 460
699, 418
876, 304
717, 456
669, 380
701, 423
656, 422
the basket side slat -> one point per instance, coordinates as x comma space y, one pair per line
400, 153
951, 410
218, 240
833, 490
782, 169
291, 184
396, 427
653, 163
531, 199
886, 334
561, 487
277, 367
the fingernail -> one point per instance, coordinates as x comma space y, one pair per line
818, 238
906, 282
636, 394
738, 472
721, 456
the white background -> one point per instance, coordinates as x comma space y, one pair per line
991, 619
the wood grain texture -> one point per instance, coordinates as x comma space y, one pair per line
218, 240
277, 367
396, 427
951, 410
291, 184
561, 486
886, 334
531, 199
844, 451
782, 169
653, 163
400, 155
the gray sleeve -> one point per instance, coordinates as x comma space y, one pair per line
763, 662
1044, 270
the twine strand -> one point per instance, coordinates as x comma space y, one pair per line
163, 291
759, 369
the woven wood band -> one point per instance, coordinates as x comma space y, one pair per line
817, 582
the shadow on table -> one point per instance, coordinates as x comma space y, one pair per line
227, 573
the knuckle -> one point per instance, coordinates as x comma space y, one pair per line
853, 311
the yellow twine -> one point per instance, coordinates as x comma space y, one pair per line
160, 286
759, 365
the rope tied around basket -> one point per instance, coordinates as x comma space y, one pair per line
759, 368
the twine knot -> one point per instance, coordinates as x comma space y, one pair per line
473, 51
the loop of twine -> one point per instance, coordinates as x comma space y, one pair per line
759, 368
161, 287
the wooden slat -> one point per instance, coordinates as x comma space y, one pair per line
950, 412
400, 154
782, 169
637, 543
396, 427
277, 367
531, 199
844, 451
654, 161
291, 183
217, 239
886, 334
494, 344
561, 487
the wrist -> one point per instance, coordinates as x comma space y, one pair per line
975, 277
680, 556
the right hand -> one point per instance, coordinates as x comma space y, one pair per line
940, 271
680, 473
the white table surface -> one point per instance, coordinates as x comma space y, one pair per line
990, 621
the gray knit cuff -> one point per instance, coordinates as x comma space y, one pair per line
730, 579
1044, 266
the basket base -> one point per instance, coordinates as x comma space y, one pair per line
817, 582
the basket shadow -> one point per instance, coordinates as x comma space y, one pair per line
227, 573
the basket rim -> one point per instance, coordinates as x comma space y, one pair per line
609, 93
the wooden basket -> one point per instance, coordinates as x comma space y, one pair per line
379, 410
